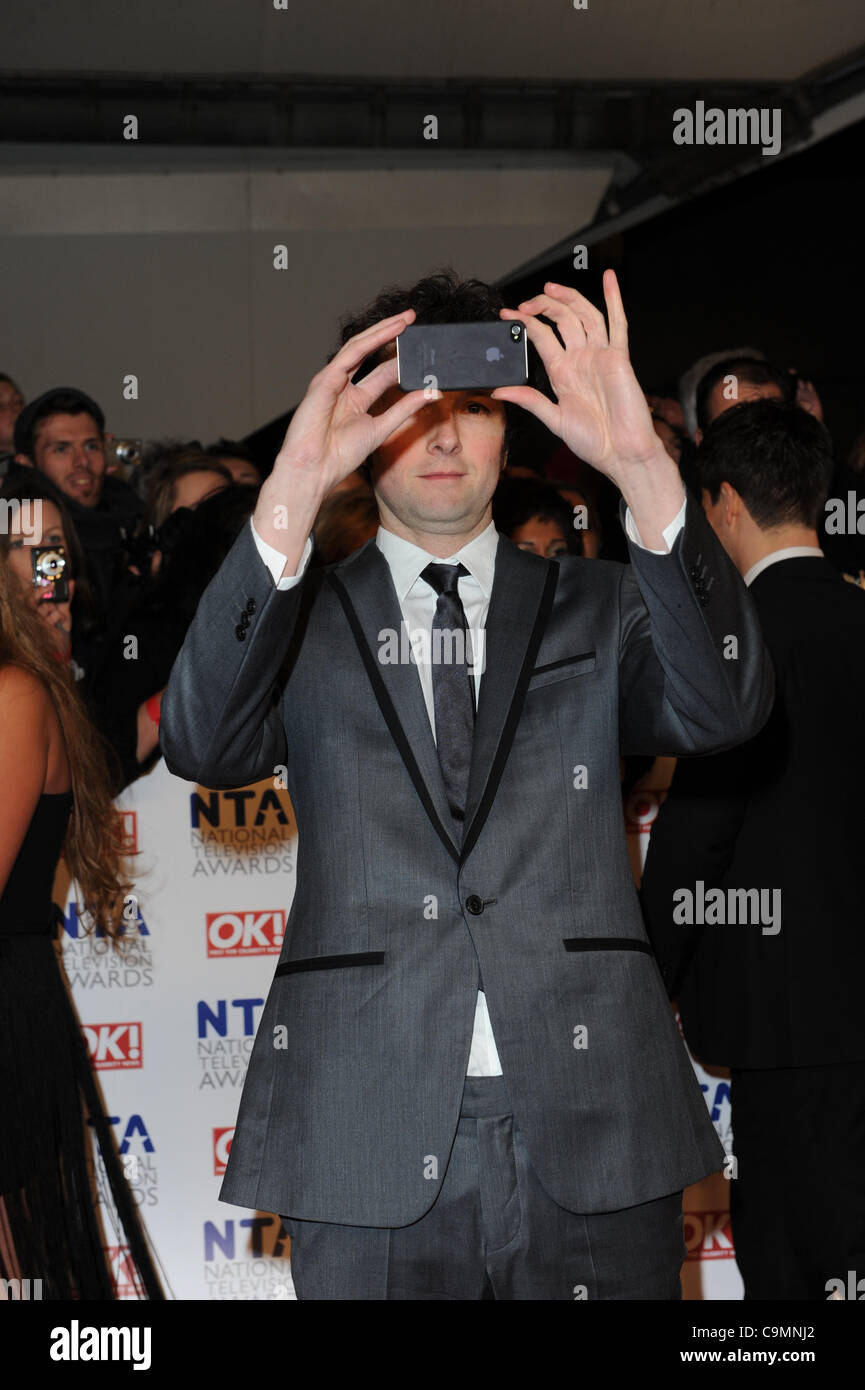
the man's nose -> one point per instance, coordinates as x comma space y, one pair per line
444, 434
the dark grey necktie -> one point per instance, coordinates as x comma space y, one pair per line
453, 684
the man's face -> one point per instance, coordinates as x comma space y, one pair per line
746, 391
438, 471
11, 404
69, 450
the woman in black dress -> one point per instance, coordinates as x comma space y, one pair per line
55, 796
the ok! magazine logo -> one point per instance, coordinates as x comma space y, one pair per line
245, 933
113, 1046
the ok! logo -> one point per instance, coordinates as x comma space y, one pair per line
245, 933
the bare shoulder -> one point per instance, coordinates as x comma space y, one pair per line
16, 682
24, 698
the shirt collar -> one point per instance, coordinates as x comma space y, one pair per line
407, 560
790, 552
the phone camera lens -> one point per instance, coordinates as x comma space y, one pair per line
516, 330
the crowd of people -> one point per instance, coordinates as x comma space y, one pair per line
89, 641
142, 541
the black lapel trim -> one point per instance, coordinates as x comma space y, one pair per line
510, 727
386, 706
606, 943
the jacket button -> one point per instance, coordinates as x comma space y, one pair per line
244, 620
250, 605
475, 905
240, 632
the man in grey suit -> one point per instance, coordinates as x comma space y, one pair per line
467, 1081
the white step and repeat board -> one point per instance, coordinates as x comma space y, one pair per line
170, 1021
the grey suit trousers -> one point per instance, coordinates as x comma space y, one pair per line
494, 1233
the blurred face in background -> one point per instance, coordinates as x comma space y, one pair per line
11, 405
541, 537
70, 450
57, 616
192, 488
241, 470
745, 391
667, 408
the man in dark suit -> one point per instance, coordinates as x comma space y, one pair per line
764, 842
467, 1082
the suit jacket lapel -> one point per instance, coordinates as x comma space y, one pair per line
522, 597
365, 588
523, 589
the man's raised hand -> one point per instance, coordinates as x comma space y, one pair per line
600, 411
332, 432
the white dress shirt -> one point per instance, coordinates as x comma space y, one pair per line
417, 600
790, 552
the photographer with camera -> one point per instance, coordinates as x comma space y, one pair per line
61, 435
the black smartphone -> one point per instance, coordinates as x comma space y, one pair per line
462, 356
49, 573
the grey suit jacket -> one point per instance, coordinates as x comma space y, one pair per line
352, 1096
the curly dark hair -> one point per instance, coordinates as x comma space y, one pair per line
444, 297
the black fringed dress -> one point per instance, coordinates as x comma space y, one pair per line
48, 1225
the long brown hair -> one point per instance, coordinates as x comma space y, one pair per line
93, 847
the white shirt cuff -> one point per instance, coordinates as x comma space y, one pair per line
275, 560
669, 532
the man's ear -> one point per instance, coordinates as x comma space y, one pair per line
27, 462
733, 504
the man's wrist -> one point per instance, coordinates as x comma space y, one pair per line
637, 475
297, 497
653, 492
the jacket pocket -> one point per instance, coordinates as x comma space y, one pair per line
292, 967
563, 669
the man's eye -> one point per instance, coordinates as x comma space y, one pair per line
478, 405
